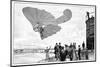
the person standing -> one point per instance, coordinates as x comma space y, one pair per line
66, 49
79, 52
60, 48
71, 54
86, 54
83, 45
62, 55
56, 49
47, 52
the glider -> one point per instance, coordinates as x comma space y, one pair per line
44, 22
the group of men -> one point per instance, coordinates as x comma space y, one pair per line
59, 52
70, 52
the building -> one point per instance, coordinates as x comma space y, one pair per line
90, 32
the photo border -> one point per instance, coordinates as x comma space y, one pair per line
51, 3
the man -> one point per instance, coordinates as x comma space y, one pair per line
86, 54
62, 55
71, 54
60, 48
66, 49
83, 45
47, 52
79, 52
41, 32
56, 52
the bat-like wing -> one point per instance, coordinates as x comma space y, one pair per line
37, 16
67, 15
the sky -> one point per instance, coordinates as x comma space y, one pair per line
73, 30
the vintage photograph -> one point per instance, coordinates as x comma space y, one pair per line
46, 33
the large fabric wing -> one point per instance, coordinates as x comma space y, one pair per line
39, 18
49, 30
35, 16
46, 18
67, 14
31, 15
